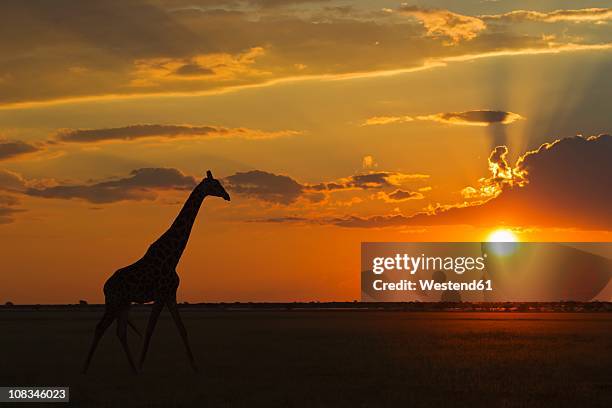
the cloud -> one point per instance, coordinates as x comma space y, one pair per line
574, 16
385, 120
474, 117
287, 219
482, 117
282, 3
281, 189
135, 132
498, 165
209, 67
502, 175
141, 184
444, 23
470, 192
400, 195
372, 180
10, 149
8, 202
179, 48
144, 183
10, 181
368, 162
376, 221
351, 221
265, 186
193, 69
564, 184
7, 214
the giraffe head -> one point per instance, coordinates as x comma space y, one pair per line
213, 187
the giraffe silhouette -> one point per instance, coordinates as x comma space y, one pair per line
153, 278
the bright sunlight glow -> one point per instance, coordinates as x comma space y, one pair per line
502, 235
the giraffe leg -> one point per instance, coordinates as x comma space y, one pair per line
157, 308
122, 322
133, 327
101, 327
183, 332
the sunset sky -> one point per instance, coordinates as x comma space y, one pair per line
329, 122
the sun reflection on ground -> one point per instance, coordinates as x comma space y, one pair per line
502, 241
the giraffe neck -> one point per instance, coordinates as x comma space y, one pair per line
170, 246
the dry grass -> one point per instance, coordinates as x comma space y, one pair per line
323, 358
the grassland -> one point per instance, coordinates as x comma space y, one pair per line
322, 358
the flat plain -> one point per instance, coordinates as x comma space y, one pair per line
320, 358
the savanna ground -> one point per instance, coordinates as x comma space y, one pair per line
321, 358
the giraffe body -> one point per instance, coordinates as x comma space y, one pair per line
132, 284
153, 277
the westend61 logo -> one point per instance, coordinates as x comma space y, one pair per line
485, 271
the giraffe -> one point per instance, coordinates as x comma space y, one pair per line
153, 278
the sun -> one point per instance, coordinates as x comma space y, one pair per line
502, 235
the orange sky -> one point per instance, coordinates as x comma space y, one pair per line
329, 123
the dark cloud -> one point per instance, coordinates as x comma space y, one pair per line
285, 190
13, 148
71, 48
482, 117
402, 195
7, 214
8, 200
193, 69
140, 47
283, 3
377, 221
265, 186
10, 181
280, 220
564, 184
132, 132
7, 208
374, 180
474, 117
135, 132
341, 10
139, 185
111, 26
214, 5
